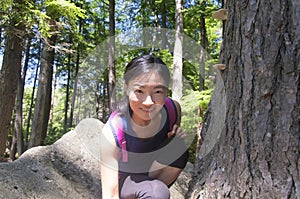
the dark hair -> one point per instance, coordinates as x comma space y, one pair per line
143, 65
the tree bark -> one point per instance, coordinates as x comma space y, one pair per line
43, 101
18, 123
10, 74
111, 56
256, 154
163, 24
203, 43
67, 101
32, 101
76, 76
177, 60
51, 112
0, 31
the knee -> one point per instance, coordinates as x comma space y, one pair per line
160, 190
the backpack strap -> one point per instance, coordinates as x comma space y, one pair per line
172, 112
119, 126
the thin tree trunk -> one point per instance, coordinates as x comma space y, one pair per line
74, 89
177, 60
98, 99
18, 142
13, 148
104, 103
10, 74
18, 127
257, 147
31, 102
43, 101
111, 56
51, 113
76, 78
0, 33
202, 60
204, 44
164, 24
156, 25
67, 92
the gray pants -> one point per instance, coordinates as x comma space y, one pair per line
142, 187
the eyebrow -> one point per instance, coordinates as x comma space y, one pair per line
157, 86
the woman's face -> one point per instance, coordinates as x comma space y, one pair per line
147, 94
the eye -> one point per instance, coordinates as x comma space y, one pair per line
138, 91
158, 92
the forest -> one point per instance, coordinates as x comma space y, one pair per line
50, 80
235, 70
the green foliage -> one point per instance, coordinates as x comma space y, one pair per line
166, 56
58, 8
5, 7
194, 105
192, 15
56, 127
61, 12
82, 25
26, 106
191, 104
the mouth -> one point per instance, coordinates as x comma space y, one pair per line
147, 110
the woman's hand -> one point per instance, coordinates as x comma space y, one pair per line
177, 132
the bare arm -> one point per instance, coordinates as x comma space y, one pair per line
109, 164
169, 174
166, 174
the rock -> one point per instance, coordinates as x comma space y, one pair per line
65, 169
69, 168
180, 187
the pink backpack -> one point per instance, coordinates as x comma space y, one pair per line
171, 109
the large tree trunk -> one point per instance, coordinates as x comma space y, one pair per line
10, 74
254, 115
43, 101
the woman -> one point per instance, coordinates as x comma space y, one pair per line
156, 150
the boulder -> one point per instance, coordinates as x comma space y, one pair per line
65, 169
69, 168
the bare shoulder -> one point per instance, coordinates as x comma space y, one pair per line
107, 134
108, 144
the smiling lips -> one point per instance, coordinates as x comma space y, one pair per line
147, 110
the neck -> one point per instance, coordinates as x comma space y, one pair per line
146, 128
140, 122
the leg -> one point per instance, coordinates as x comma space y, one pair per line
138, 186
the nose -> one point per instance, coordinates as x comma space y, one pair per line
148, 101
